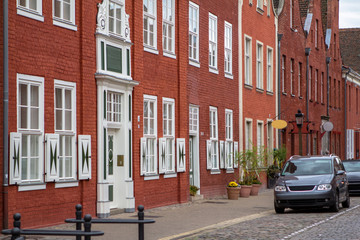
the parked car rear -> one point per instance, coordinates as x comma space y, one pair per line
352, 168
312, 181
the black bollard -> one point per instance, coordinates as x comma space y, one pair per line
141, 225
17, 223
15, 233
87, 225
78, 215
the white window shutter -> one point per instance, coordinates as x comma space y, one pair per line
208, 154
84, 152
52, 157
352, 143
348, 144
15, 158
143, 156
226, 153
222, 154
231, 156
180, 154
217, 154
162, 152
236, 152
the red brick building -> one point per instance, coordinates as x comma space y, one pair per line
51, 115
258, 86
310, 45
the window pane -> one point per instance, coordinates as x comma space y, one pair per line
57, 10
34, 168
67, 99
34, 122
58, 119
23, 117
66, 10
68, 125
34, 96
32, 4
23, 94
22, 3
58, 98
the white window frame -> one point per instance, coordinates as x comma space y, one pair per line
259, 65
268, 7
316, 85
147, 46
299, 78
214, 138
248, 60
193, 120
259, 135
322, 87
112, 111
151, 136
269, 69
229, 133
119, 4
27, 132
194, 33
248, 133
228, 50
63, 85
291, 13
310, 84
283, 62
316, 36
169, 134
213, 43
26, 11
60, 21
292, 77
168, 50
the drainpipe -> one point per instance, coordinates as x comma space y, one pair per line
328, 59
279, 35
345, 108
307, 53
5, 113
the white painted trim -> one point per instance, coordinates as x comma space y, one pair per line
170, 175
212, 70
170, 55
34, 15
31, 187
246, 37
151, 50
196, 60
194, 63
214, 18
66, 184
151, 177
58, 22
230, 76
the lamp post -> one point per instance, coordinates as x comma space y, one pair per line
299, 117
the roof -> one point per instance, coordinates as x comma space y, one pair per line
350, 47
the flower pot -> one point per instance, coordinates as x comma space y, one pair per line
255, 189
233, 193
245, 191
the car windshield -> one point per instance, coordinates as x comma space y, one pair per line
307, 167
352, 166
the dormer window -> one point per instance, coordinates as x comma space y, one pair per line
115, 16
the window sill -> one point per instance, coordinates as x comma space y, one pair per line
300, 97
66, 184
215, 171
311, 100
194, 63
260, 90
170, 175
30, 14
248, 86
229, 75
270, 93
284, 93
169, 55
64, 24
293, 29
151, 50
31, 187
230, 170
260, 11
213, 70
292, 95
151, 177
113, 125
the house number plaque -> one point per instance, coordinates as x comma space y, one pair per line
120, 160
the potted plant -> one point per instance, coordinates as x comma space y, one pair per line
193, 190
233, 190
246, 186
256, 184
279, 157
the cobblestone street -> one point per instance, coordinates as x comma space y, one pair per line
295, 225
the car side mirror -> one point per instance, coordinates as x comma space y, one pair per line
340, 172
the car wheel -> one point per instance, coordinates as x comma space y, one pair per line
335, 207
346, 203
278, 209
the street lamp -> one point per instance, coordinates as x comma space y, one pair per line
299, 117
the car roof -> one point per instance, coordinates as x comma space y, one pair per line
311, 157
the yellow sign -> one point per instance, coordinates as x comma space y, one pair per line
279, 124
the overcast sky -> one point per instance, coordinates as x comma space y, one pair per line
349, 14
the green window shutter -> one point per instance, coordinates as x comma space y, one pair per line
128, 61
113, 59
102, 56
84, 152
52, 157
15, 158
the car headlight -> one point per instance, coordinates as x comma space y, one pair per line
324, 187
280, 189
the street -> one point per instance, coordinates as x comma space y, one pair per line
294, 225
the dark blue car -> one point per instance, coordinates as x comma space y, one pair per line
312, 181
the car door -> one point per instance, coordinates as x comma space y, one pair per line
340, 179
